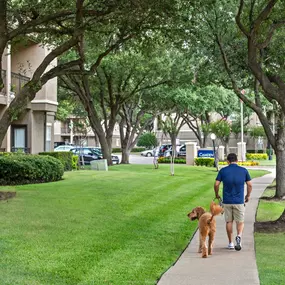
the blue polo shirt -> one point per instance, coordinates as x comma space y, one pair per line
233, 178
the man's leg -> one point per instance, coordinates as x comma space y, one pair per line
240, 226
238, 211
229, 228
229, 224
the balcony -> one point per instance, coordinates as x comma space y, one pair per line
65, 131
17, 82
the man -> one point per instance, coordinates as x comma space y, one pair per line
155, 157
233, 178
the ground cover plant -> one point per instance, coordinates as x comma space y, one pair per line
124, 226
269, 254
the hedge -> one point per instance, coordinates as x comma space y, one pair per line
135, 149
254, 151
167, 160
64, 156
242, 163
27, 169
75, 162
209, 162
256, 156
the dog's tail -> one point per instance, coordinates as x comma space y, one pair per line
215, 210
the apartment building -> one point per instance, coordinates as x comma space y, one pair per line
35, 131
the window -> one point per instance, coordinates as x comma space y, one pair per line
19, 138
48, 137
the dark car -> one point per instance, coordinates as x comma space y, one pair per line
182, 151
92, 153
87, 154
115, 158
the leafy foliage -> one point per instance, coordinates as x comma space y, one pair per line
65, 157
26, 169
256, 132
148, 140
256, 156
209, 162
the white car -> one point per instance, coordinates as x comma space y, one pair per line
64, 147
148, 153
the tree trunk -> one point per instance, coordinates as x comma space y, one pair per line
280, 171
125, 155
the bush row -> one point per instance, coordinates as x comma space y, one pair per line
26, 169
244, 163
64, 156
254, 151
256, 156
204, 162
167, 160
208, 162
135, 149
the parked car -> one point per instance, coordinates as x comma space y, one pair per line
148, 153
87, 154
180, 153
115, 158
92, 153
64, 148
163, 148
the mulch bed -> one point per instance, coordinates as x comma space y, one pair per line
272, 226
5, 195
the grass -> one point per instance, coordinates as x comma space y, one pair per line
124, 226
269, 246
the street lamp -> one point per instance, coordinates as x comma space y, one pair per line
213, 137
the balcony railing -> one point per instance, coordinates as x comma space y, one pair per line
17, 82
21, 149
65, 130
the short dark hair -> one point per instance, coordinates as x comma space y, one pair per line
232, 157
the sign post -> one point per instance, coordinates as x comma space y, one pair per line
241, 127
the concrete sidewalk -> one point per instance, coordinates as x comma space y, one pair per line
224, 267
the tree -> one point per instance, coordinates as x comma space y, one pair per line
250, 54
61, 25
222, 130
64, 26
120, 87
147, 140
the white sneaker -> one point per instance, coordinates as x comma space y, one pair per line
231, 245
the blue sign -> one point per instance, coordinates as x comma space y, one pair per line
205, 153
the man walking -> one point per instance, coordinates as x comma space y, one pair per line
234, 177
155, 157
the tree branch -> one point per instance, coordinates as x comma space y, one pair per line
238, 19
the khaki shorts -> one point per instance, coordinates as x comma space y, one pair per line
234, 212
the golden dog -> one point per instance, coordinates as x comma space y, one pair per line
207, 226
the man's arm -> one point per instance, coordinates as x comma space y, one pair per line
248, 192
216, 188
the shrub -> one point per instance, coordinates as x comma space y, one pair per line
147, 140
26, 169
64, 156
254, 151
209, 162
242, 163
135, 149
256, 156
75, 161
167, 160
138, 149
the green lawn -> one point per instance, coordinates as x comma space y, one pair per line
269, 247
124, 226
